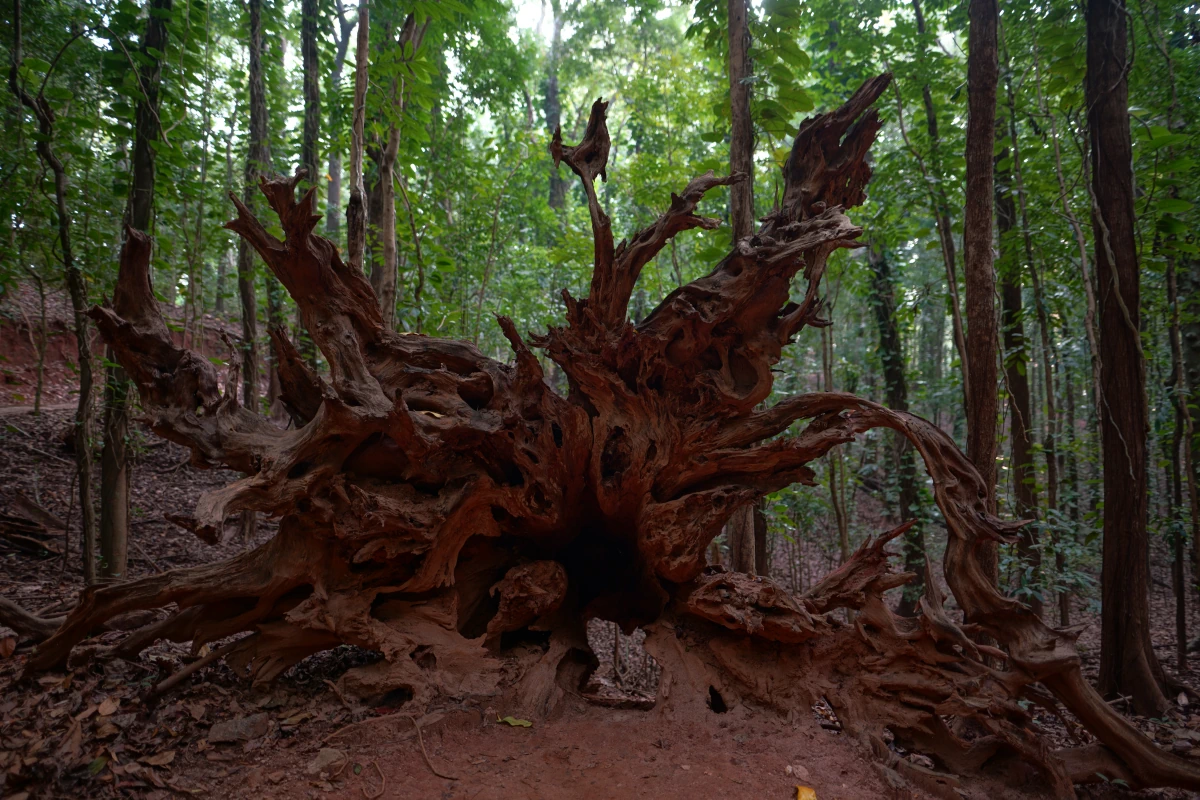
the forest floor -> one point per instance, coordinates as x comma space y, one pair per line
90, 731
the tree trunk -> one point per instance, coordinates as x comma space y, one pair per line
310, 137
741, 216
941, 210
1016, 379
333, 203
903, 467
356, 212
76, 288
552, 104
384, 264
1128, 664
982, 402
258, 161
115, 470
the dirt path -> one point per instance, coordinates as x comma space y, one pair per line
587, 752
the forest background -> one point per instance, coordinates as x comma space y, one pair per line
469, 217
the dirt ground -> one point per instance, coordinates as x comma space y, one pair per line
92, 731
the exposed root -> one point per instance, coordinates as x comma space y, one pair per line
461, 518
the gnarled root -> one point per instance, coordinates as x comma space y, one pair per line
463, 519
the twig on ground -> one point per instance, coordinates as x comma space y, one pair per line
171, 681
421, 741
382, 784
146, 556
361, 722
44, 453
340, 696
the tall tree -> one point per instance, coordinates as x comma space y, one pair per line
1128, 664
940, 202
903, 463
333, 203
741, 217
258, 162
115, 468
552, 104
1016, 361
356, 212
982, 401
384, 263
76, 288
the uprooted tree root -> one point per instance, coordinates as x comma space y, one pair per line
433, 502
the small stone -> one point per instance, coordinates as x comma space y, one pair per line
275, 777
325, 759
1181, 746
799, 771
242, 729
684, 766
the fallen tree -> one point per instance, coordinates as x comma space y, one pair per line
463, 519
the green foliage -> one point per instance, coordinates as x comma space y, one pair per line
478, 234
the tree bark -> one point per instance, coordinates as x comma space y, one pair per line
941, 209
903, 466
1016, 376
1128, 664
333, 202
115, 470
76, 288
384, 265
356, 212
552, 104
741, 216
982, 402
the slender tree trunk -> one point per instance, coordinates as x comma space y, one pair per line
227, 260
114, 458
76, 288
356, 212
903, 465
941, 208
833, 460
1016, 375
740, 528
982, 403
310, 138
385, 267
552, 105
1128, 664
1180, 436
258, 162
333, 204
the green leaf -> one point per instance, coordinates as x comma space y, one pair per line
1173, 206
98, 764
37, 64
517, 723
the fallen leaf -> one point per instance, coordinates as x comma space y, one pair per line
1182, 699
107, 730
159, 759
241, 729
98, 764
324, 760
518, 723
8, 643
109, 707
197, 710
72, 741
805, 793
